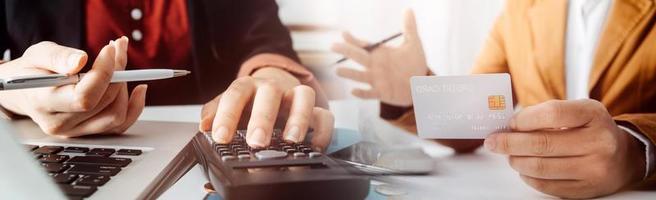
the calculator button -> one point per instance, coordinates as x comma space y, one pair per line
299, 154
290, 150
306, 150
243, 152
244, 156
314, 154
255, 149
270, 154
226, 158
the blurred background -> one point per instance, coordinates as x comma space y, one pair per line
452, 32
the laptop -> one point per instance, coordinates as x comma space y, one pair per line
140, 164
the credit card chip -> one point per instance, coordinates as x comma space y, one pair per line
496, 102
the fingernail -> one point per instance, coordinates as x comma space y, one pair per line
203, 126
293, 134
220, 135
490, 142
318, 149
257, 140
74, 60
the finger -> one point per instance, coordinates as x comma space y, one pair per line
300, 114
72, 119
93, 85
352, 74
556, 114
108, 119
410, 26
207, 115
353, 52
353, 40
561, 168
545, 144
322, 123
121, 58
57, 113
263, 116
365, 93
559, 188
79, 97
136, 104
230, 108
56, 58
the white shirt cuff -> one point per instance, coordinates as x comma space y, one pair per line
649, 150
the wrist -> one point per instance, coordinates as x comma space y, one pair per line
280, 76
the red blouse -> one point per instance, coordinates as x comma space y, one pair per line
159, 38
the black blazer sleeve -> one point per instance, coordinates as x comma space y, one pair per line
4, 35
246, 28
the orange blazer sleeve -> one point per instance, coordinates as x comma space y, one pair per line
645, 123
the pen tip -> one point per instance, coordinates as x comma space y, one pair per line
177, 73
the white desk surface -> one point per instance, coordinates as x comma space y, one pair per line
476, 176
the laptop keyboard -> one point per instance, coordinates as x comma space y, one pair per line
80, 171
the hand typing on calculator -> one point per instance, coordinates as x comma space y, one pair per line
270, 98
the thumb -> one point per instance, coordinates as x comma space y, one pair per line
56, 58
410, 26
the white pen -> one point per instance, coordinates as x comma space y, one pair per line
35, 81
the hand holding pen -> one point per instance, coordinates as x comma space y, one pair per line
91, 105
387, 69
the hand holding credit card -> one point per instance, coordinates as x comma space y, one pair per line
462, 107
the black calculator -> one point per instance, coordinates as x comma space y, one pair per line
283, 170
